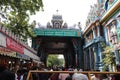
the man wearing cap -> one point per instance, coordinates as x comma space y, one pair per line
5, 74
116, 76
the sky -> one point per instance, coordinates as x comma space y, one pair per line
72, 11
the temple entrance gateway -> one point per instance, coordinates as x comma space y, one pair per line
59, 39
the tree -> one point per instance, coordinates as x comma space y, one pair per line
54, 60
109, 58
16, 14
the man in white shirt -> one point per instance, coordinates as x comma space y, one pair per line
79, 76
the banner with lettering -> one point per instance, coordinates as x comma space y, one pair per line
11, 44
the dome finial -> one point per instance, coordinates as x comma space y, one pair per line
57, 11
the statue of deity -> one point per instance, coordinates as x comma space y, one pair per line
113, 34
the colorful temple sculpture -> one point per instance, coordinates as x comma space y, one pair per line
82, 49
101, 29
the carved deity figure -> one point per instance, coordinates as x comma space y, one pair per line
118, 27
79, 25
113, 34
110, 2
118, 21
65, 25
56, 25
48, 25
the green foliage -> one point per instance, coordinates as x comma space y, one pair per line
54, 60
16, 14
109, 58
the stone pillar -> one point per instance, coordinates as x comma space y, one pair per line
80, 54
108, 28
97, 24
90, 58
70, 58
65, 56
97, 56
117, 56
33, 43
98, 29
86, 59
43, 56
76, 60
100, 56
94, 34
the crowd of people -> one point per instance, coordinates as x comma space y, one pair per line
22, 73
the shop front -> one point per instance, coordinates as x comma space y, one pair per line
7, 57
23, 60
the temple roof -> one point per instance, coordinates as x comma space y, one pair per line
57, 17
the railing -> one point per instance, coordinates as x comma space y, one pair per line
88, 73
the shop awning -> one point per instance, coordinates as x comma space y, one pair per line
6, 52
36, 61
22, 56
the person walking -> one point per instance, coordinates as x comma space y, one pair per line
63, 76
79, 76
116, 76
6, 74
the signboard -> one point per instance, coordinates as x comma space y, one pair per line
57, 32
22, 56
30, 54
2, 40
11, 44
